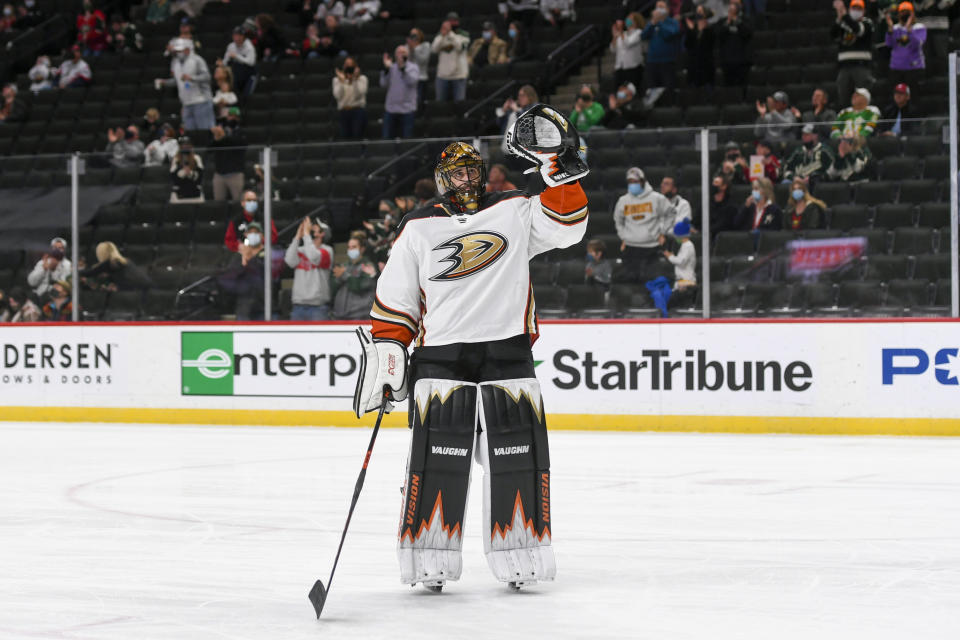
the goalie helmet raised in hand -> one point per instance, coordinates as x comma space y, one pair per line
545, 137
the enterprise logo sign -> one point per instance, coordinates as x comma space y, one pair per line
267, 363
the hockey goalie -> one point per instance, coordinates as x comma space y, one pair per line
457, 287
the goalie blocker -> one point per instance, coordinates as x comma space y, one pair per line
500, 422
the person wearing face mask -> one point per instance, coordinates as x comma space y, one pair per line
59, 307
488, 49
29, 15
75, 73
186, 171
229, 146
723, 212
627, 47
586, 111
662, 35
451, 45
21, 308
906, 39
622, 109
164, 149
853, 32
518, 47
597, 269
734, 166
698, 42
681, 206
125, 147
803, 210
811, 160
760, 211
40, 74
91, 29
507, 114
400, 77
237, 226
243, 277
420, 55
191, 75
735, 51
350, 92
311, 259
381, 233
642, 218
354, 281
124, 36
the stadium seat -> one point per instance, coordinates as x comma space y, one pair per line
936, 167
932, 267
918, 191
817, 295
542, 273
875, 193
913, 240
849, 216
733, 243
887, 267
550, 300
587, 300
903, 168
834, 193
932, 214
570, 272
891, 216
908, 294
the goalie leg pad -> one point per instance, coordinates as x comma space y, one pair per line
444, 417
514, 452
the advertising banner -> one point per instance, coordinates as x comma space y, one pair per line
826, 377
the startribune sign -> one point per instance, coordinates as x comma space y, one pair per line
267, 363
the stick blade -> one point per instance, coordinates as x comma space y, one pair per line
318, 596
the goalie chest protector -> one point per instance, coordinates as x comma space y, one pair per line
465, 278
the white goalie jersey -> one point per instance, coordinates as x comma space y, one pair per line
465, 278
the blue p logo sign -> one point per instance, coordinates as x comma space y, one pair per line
920, 363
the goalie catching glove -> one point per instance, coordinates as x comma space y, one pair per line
545, 137
383, 372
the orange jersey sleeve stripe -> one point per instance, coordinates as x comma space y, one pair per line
400, 333
565, 199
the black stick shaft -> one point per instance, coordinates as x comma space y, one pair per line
356, 490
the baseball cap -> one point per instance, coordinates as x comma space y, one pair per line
856, 3
902, 88
863, 91
323, 226
488, 26
809, 128
781, 96
635, 173
453, 15
632, 88
731, 145
65, 284
254, 225
905, 6
53, 241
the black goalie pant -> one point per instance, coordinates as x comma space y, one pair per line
477, 399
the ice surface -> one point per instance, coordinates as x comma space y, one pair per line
135, 532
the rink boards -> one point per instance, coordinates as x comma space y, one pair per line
852, 377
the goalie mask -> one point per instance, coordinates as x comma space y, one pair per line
545, 137
460, 175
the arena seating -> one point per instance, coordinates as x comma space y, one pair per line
904, 214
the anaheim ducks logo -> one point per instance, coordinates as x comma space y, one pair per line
470, 253
559, 119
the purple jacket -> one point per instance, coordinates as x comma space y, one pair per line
906, 47
401, 87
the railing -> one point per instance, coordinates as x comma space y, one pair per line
570, 54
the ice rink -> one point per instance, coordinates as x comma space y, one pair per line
136, 531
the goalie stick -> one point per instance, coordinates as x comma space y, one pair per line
318, 594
